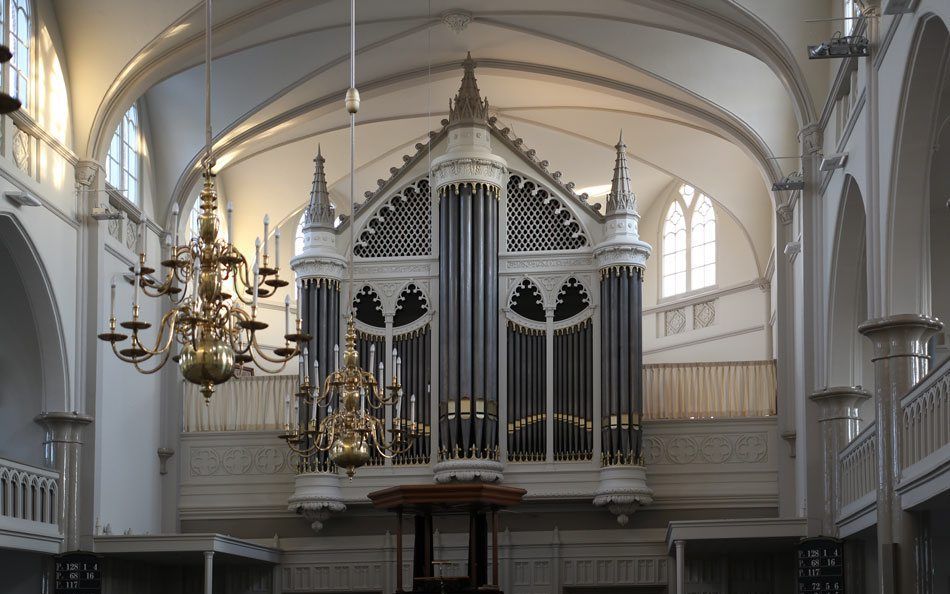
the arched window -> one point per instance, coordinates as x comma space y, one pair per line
851, 11
122, 167
298, 237
689, 243
20, 36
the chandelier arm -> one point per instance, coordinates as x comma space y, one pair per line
164, 325
278, 360
237, 313
165, 355
302, 452
126, 359
258, 364
242, 276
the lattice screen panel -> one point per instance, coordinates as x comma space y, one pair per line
401, 227
538, 222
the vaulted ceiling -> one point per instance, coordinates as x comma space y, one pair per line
705, 90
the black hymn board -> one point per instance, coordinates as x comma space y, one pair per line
820, 566
78, 573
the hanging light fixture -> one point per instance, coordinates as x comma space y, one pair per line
214, 329
8, 104
349, 429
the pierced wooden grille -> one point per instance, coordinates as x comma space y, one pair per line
538, 222
401, 227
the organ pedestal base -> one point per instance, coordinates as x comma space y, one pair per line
467, 470
317, 497
622, 490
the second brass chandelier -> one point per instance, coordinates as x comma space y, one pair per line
348, 431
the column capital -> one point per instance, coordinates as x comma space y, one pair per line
63, 427
900, 335
89, 173
839, 402
811, 138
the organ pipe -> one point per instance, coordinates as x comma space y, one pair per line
468, 338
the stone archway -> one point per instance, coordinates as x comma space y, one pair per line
849, 352
917, 277
33, 368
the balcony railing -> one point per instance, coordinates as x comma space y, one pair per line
926, 417
29, 507
858, 464
677, 391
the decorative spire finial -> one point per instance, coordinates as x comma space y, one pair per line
468, 104
621, 198
320, 212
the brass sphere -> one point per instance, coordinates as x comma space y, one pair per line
350, 452
350, 400
211, 362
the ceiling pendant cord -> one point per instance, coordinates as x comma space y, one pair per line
352, 102
208, 159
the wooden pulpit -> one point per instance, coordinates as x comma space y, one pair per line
481, 502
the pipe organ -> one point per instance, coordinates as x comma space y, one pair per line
513, 303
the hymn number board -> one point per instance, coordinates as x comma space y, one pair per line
78, 573
820, 566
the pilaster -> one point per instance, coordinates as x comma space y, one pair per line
63, 445
839, 422
900, 361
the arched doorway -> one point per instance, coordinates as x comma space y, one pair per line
33, 376
850, 352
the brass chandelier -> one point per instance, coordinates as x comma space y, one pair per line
349, 430
212, 327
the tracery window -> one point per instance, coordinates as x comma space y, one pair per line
19, 35
688, 243
122, 163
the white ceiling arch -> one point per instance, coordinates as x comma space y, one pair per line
284, 127
242, 23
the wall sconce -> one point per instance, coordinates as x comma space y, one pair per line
839, 46
832, 162
791, 182
22, 198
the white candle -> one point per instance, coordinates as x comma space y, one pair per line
287, 314
175, 215
112, 300
362, 401
170, 250
381, 373
313, 413
299, 291
296, 419
287, 410
257, 272
372, 356
143, 239
301, 361
412, 407
135, 284
257, 251
230, 217
399, 369
266, 226
336, 355
277, 248
316, 373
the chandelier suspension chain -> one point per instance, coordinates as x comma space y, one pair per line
208, 158
352, 150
